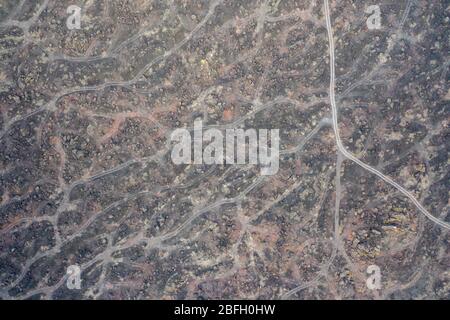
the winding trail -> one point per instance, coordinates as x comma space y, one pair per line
341, 147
